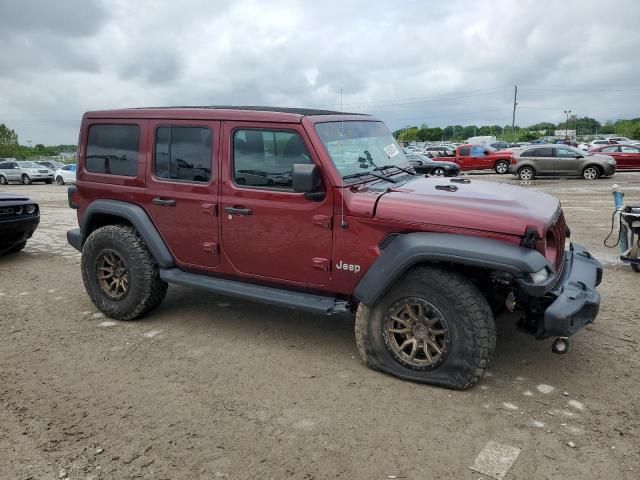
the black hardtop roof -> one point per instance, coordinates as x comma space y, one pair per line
305, 112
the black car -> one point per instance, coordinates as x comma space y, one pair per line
500, 145
424, 164
19, 218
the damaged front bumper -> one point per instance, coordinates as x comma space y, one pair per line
572, 303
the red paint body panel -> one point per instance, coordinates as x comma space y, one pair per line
627, 157
288, 240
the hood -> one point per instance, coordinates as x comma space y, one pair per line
477, 205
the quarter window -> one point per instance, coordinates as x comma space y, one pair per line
183, 153
113, 149
265, 158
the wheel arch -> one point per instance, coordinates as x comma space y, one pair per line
115, 212
409, 250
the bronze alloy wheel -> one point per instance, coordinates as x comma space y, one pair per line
113, 274
417, 333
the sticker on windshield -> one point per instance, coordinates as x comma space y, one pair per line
391, 150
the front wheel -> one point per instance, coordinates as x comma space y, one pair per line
526, 173
434, 326
59, 180
591, 173
438, 172
502, 167
120, 274
26, 180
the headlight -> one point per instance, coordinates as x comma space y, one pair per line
30, 208
34, 170
567, 243
18, 210
612, 161
539, 276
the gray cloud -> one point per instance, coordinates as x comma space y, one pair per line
409, 63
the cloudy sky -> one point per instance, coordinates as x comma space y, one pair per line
409, 62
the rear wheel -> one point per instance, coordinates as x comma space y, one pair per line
3, 180
120, 274
433, 326
502, 167
526, 173
591, 172
26, 180
59, 180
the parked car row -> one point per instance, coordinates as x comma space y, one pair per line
28, 172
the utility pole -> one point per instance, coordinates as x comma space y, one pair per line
566, 126
515, 102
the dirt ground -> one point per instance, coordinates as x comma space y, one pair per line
213, 387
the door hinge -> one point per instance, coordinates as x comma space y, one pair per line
210, 247
210, 209
320, 264
322, 220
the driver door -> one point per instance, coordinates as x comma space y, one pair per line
567, 161
268, 230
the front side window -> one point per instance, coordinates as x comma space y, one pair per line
629, 149
265, 158
183, 153
565, 153
610, 149
465, 151
477, 151
113, 149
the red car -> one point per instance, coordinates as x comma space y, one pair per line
481, 157
627, 156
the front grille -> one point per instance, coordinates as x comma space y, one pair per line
559, 232
43, 171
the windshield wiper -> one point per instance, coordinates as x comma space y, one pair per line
386, 167
364, 174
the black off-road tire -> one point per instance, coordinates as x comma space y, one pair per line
146, 289
471, 326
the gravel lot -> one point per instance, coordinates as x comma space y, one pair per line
213, 387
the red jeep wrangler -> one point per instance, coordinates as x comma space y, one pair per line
322, 211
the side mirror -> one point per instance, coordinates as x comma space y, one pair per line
306, 179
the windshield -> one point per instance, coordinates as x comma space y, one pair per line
29, 165
358, 147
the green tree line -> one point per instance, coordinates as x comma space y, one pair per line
10, 146
629, 128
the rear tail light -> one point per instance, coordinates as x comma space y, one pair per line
73, 197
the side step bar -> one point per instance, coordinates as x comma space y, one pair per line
258, 293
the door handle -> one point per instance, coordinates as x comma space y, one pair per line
237, 210
165, 202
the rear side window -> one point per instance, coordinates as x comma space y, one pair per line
544, 152
265, 158
183, 153
465, 152
610, 149
113, 149
532, 152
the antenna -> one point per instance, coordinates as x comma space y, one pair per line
343, 222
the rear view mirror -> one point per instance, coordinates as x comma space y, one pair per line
306, 179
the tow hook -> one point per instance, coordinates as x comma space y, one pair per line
561, 345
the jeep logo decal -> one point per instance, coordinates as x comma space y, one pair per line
348, 267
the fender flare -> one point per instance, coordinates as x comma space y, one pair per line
410, 249
137, 217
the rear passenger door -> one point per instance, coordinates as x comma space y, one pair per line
182, 189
